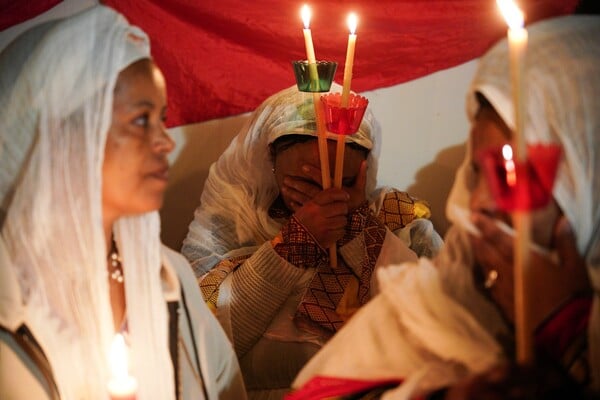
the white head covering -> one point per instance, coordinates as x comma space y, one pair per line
562, 106
56, 96
240, 188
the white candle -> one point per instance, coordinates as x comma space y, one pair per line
308, 43
121, 385
352, 22
517, 44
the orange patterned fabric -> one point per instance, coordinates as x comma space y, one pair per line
398, 210
328, 285
210, 283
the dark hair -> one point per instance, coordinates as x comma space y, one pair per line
285, 142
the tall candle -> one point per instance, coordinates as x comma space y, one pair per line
121, 385
517, 43
308, 43
352, 22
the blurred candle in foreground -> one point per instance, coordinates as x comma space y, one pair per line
121, 385
517, 45
352, 23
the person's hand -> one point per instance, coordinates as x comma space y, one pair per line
356, 192
493, 252
324, 216
300, 191
562, 276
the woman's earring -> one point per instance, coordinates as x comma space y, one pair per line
273, 170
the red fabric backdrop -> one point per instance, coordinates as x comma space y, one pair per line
225, 57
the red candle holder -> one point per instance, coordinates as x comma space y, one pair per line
521, 186
321, 78
344, 120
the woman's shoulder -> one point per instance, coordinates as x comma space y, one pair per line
396, 208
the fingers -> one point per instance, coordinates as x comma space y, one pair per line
361, 178
357, 191
491, 233
312, 173
298, 190
565, 243
325, 215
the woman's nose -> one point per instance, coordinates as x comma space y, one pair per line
482, 199
163, 143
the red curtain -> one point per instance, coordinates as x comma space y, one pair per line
14, 11
225, 57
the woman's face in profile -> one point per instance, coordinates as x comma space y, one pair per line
135, 168
490, 132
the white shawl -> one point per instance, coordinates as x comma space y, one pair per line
56, 95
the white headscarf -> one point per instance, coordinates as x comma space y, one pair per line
234, 207
56, 96
562, 106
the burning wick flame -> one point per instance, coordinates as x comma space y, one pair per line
511, 13
305, 14
509, 165
352, 23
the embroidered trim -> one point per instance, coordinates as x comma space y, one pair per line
298, 246
211, 281
398, 209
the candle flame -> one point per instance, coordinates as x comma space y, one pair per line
511, 13
305, 14
352, 22
118, 357
507, 152
509, 165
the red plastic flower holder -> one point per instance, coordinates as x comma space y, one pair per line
315, 77
344, 120
521, 186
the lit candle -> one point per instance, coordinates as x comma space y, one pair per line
121, 385
509, 165
352, 22
517, 44
308, 43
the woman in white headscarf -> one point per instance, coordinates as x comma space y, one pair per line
460, 327
83, 170
260, 236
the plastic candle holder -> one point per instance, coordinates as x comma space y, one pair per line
521, 186
325, 70
344, 120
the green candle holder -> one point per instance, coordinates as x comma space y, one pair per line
314, 77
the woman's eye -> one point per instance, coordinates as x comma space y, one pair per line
142, 120
348, 182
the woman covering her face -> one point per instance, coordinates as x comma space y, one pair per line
259, 240
463, 324
83, 150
